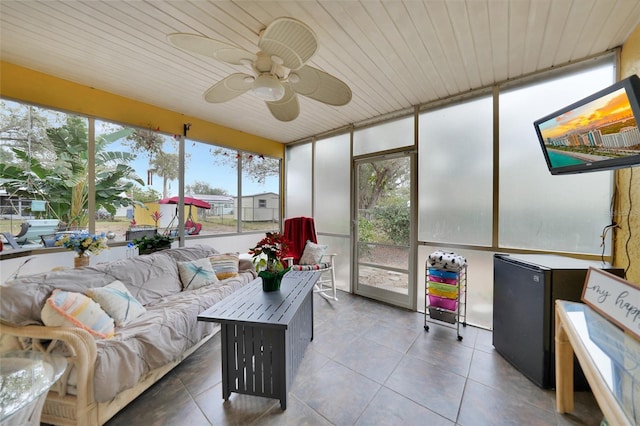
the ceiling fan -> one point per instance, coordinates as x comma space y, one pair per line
279, 72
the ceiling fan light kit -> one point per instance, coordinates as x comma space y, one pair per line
279, 67
268, 88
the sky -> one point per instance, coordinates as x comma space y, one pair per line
201, 166
607, 108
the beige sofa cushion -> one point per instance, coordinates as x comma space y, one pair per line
148, 278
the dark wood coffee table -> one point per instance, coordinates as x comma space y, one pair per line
264, 335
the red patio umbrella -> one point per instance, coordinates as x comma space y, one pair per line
188, 201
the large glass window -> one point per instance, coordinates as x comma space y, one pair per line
147, 166
537, 210
44, 170
211, 176
456, 173
260, 193
128, 185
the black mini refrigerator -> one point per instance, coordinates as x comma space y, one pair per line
525, 288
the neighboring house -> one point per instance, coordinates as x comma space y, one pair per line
221, 205
20, 208
260, 207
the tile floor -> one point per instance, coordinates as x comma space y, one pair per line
369, 364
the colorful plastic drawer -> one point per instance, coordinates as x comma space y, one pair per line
443, 288
439, 293
442, 274
451, 281
443, 302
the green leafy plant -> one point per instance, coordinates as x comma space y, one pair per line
148, 244
395, 221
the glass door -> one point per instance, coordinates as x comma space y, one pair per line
383, 223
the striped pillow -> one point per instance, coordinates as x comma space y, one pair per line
314, 267
70, 309
225, 265
116, 300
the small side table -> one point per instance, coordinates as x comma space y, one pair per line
609, 358
25, 379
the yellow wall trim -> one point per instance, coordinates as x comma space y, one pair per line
23, 84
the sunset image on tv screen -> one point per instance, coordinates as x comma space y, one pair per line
602, 129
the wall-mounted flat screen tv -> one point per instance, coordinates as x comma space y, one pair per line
599, 132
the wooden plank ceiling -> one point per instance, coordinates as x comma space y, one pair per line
393, 54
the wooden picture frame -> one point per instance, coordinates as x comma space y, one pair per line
616, 299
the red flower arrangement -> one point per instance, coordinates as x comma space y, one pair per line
156, 217
270, 252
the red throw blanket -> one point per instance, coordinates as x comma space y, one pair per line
298, 230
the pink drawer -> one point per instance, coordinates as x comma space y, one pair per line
441, 302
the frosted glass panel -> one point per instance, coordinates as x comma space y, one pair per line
298, 181
332, 167
538, 210
341, 247
390, 135
455, 172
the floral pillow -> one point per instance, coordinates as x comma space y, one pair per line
116, 300
312, 253
196, 273
71, 309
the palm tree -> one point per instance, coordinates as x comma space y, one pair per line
166, 165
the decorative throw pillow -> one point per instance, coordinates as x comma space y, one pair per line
196, 273
70, 309
225, 265
116, 300
312, 253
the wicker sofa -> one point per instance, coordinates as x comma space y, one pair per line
105, 374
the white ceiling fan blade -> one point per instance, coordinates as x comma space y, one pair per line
321, 86
202, 45
290, 40
229, 88
287, 108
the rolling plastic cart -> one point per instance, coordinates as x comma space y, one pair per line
445, 299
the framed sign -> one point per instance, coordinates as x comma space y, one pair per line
616, 299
